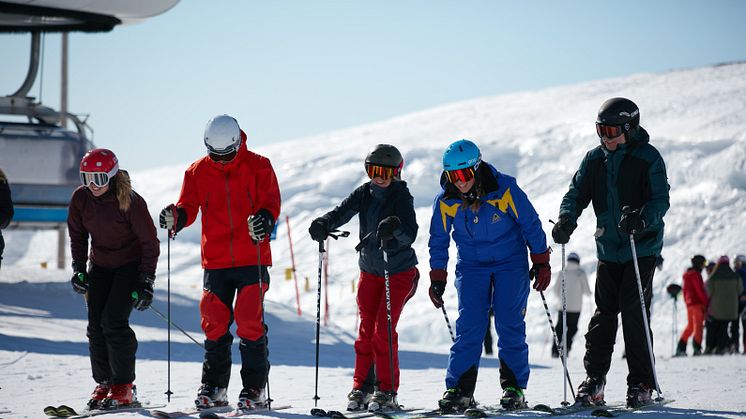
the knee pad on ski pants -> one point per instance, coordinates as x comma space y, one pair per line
216, 316
248, 312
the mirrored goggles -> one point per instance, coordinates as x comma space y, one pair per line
383, 172
99, 179
609, 131
460, 175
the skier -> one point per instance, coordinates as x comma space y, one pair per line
739, 266
492, 221
237, 193
123, 257
6, 210
576, 286
696, 301
624, 170
385, 208
724, 288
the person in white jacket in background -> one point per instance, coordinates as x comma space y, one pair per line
576, 286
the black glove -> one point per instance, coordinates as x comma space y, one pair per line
143, 292
387, 227
437, 286
563, 229
80, 280
319, 229
260, 225
631, 221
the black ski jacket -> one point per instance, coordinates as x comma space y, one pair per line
6, 204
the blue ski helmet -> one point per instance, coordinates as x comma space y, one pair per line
461, 155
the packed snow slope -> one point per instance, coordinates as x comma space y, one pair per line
696, 118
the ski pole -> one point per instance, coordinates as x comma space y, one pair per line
168, 281
644, 315
158, 313
448, 322
556, 340
389, 321
564, 327
264, 324
335, 234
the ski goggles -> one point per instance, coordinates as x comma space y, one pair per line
609, 131
383, 172
460, 175
100, 179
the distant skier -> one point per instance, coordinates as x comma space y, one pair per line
123, 257
6, 210
576, 286
625, 170
237, 193
696, 300
739, 266
492, 221
386, 211
724, 288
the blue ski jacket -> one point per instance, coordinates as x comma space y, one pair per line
497, 233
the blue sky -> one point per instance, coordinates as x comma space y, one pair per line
287, 69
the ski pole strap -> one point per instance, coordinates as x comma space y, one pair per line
363, 242
336, 234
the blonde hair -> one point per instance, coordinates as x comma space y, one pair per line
123, 190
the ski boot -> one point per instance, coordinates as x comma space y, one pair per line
119, 396
454, 401
697, 348
591, 392
98, 396
211, 396
513, 399
358, 400
251, 398
681, 348
639, 395
382, 400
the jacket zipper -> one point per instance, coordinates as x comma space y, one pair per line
230, 219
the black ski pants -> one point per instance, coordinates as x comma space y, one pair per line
2, 248
220, 288
617, 292
572, 329
111, 341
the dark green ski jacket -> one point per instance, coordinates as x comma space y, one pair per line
633, 175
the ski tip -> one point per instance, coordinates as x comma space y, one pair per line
318, 412
602, 413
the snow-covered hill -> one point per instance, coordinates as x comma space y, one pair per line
696, 118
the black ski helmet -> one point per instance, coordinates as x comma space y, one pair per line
621, 112
385, 155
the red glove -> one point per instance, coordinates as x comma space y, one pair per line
541, 271
437, 286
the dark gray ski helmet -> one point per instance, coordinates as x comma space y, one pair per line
621, 112
385, 155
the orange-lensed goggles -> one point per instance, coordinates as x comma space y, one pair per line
100, 179
460, 175
609, 131
383, 172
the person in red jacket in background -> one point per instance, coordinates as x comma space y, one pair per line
123, 257
239, 198
696, 300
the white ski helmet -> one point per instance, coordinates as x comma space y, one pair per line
222, 135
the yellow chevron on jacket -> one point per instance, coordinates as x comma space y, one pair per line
503, 203
448, 210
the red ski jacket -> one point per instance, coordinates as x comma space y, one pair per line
227, 194
694, 288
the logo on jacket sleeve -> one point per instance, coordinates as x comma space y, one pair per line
448, 210
504, 202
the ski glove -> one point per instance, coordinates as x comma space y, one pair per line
172, 218
80, 280
260, 225
631, 221
143, 293
540, 270
437, 286
387, 227
319, 229
563, 229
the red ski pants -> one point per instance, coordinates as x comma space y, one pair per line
372, 344
695, 316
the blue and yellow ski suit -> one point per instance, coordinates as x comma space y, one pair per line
491, 272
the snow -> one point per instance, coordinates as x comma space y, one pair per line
696, 118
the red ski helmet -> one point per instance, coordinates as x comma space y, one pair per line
98, 166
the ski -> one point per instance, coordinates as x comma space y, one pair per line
355, 414
64, 411
189, 411
570, 409
490, 411
236, 413
612, 412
